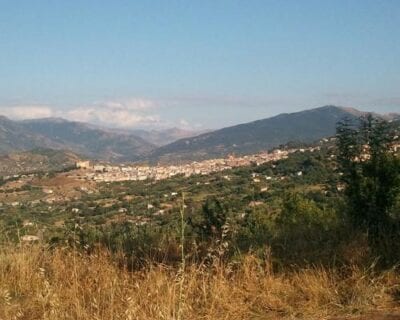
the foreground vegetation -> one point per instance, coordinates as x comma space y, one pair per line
36, 283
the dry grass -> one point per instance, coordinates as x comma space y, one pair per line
38, 284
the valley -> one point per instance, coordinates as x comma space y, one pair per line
200, 160
276, 217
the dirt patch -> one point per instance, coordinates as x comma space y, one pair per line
64, 186
21, 196
58, 181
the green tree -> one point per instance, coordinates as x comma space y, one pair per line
212, 220
371, 174
306, 232
214, 215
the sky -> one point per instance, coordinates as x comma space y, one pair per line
195, 64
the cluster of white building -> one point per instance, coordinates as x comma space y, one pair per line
112, 173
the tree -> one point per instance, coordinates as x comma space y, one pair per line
212, 220
371, 174
214, 215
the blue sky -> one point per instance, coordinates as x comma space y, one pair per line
196, 64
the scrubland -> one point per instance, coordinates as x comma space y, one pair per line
40, 283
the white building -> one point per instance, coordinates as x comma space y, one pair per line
83, 164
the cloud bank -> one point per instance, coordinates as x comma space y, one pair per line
27, 112
124, 114
129, 113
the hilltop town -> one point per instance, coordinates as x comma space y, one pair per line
114, 173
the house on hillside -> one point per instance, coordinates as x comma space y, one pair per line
83, 165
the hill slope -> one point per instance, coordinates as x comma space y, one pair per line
305, 126
14, 137
90, 141
37, 160
80, 138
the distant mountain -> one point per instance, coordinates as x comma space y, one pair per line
305, 126
166, 136
80, 138
15, 137
38, 160
88, 140
117, 145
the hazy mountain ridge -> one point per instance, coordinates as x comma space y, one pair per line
90, 141
123, 145
166, 136
15, 137
80, 138
85, 139
304, 126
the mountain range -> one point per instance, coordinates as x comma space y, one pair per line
172, 145
89, 141
303, 127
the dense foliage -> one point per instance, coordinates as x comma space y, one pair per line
371, 172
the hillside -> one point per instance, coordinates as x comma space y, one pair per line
39, 160
90, 141
305, 127
280, 232
14, 137
80, 138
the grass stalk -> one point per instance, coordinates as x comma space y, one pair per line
183, 260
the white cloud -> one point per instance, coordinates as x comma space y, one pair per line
133, 104
27, 112
128, 113
184, 124
112, 117
123, 113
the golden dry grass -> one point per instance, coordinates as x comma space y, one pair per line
36, 283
